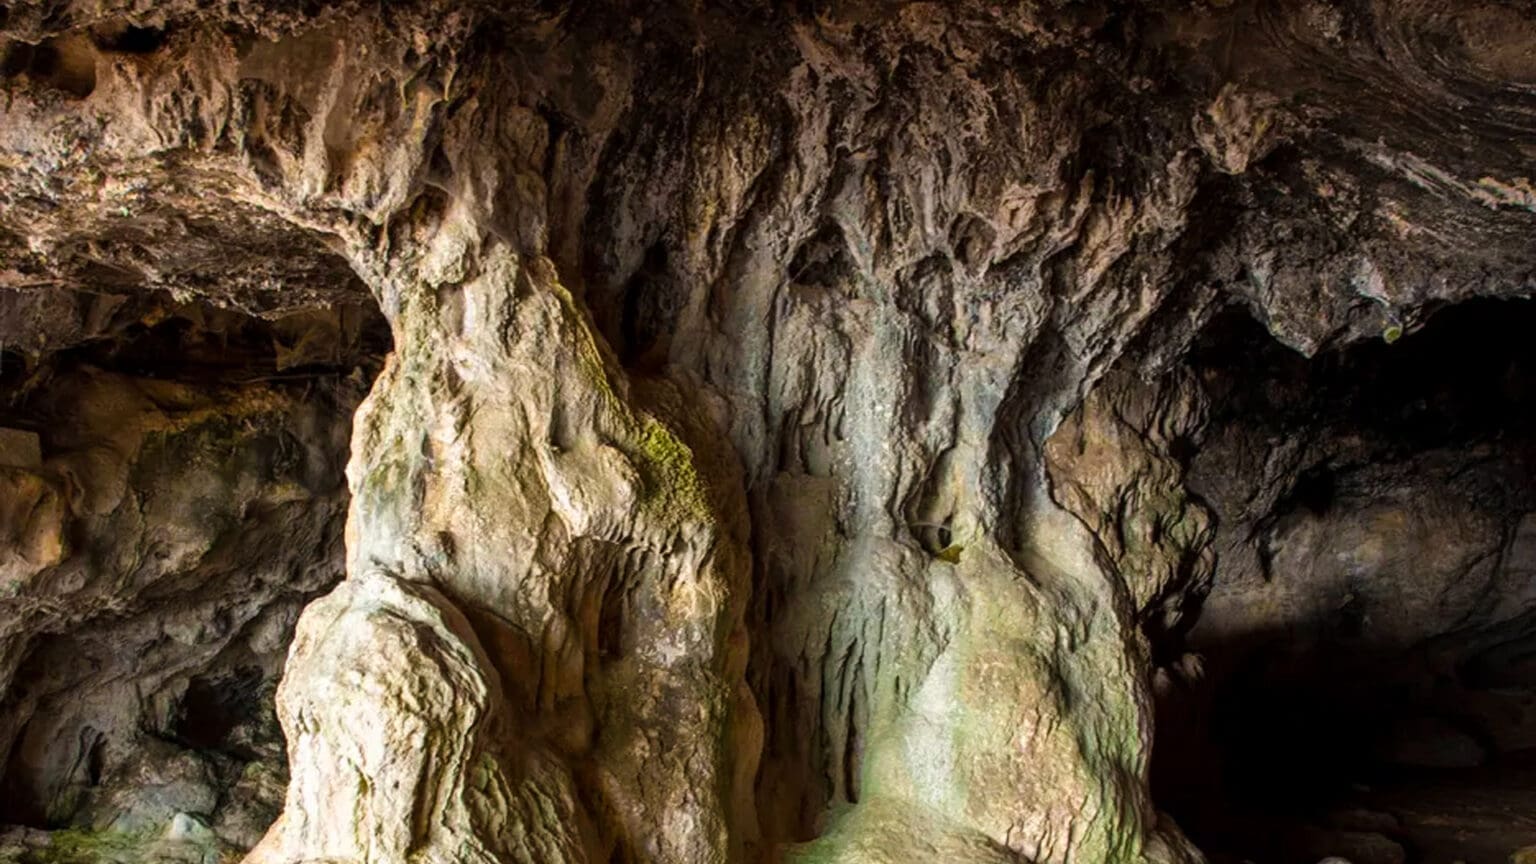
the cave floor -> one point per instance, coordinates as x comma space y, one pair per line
1482, 815
1477, 816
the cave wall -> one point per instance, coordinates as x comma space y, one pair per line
1369, 612
731, 492
173, 499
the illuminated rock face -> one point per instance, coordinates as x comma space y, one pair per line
783, 450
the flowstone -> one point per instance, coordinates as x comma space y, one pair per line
782, 452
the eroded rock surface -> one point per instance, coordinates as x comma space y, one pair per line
1371, 599
173, 502
785, 451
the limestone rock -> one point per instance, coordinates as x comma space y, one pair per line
157, 552
253, 803
156, 785
787, 450
19, 448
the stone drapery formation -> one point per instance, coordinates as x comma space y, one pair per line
763, 468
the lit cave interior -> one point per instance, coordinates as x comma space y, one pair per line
747, 432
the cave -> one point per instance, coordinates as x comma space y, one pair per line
1356, 680
173, 499
746, 432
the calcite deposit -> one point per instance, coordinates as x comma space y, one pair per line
841, 431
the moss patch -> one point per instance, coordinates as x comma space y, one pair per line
672, 483
81, 846
84, 846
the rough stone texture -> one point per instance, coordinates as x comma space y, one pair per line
706, 509
167, 521
1372, 592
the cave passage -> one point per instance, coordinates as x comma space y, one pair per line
789, 448
1366, 682
172, 490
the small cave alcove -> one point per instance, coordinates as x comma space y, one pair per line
172, 495
1360, 680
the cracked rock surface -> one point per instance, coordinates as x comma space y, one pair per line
790, 448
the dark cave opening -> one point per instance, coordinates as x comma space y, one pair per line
126, 38
1366, 683
214, 707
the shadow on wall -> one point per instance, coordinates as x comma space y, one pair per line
171, 497
1367, 677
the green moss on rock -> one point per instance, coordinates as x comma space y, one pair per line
83, 846
672, 483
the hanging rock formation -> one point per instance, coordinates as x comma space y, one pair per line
785, 448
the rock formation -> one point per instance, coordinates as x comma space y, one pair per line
172, 500
1372, 603
805, 432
